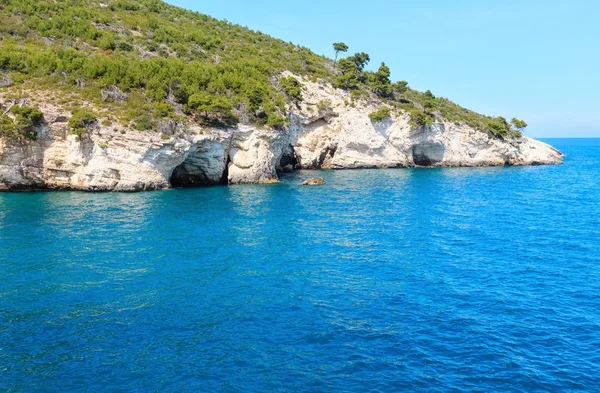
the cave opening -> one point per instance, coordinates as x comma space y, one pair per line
225, 176
191, 173
289, 160
188, 175
428, 153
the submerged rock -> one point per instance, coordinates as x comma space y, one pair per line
287, 169
315, 181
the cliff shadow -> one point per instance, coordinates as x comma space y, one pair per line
428, 153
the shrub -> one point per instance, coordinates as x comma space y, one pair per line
81, 120
324, 104
380, 114
212, 109
162, 109
292, 87
26, 119
143, 123
430, 106
499, 127
278, 122
125, 46
27, 115
419, 118
8, 126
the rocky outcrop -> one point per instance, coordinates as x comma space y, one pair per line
326, 131
315, 181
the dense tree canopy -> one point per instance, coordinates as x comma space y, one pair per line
146, 63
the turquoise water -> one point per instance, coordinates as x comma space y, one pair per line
382, 280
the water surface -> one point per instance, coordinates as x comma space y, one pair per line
484, 279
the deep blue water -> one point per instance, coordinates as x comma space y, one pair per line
382, 280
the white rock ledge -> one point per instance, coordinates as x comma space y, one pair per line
339, 137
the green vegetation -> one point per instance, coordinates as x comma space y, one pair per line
324, 105
380, 82
22, 124
419, 118
292, 87
380, 114
352, 72
162, 52
339, 47
81, 120
519, 125
499, 127
211, 109
147, 64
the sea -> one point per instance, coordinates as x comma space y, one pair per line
436, 280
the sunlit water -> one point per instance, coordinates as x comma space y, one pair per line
382, 280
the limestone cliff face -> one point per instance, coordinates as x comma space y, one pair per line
326, 131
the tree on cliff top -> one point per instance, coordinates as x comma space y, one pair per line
381, 83
339, 47
518, 124
165, 55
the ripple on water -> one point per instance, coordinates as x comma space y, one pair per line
478, 279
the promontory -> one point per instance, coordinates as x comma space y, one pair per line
138, 95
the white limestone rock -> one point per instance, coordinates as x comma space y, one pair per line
326, 131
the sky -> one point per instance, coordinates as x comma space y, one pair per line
534, 60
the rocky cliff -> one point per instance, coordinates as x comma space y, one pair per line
326, 130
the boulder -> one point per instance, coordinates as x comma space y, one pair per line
314, 181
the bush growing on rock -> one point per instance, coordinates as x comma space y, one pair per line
26, 119
520, 125
401, 87
499, 127
381, 114
81, 120
212, 109
278, 122
430, 106
27, 116
419, 118
292, 87
324, 105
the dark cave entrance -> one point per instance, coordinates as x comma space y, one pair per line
189, 174
289, 160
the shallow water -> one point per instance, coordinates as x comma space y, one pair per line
382, 280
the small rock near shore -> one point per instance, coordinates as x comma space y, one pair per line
315, 181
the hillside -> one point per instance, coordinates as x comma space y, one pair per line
147, 65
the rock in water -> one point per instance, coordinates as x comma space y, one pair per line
315, 181
288, 169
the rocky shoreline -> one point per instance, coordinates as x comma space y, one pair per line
332, 136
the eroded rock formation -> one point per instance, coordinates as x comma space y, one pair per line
326, 131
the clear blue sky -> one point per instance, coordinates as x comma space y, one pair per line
536, 60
